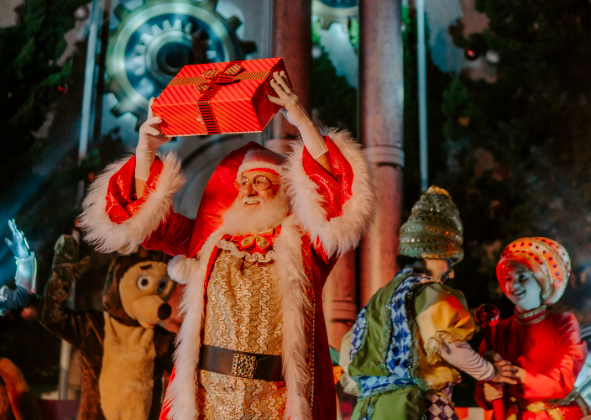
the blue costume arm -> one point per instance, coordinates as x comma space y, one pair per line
13, 300
26, 274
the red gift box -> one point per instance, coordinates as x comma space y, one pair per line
219, 98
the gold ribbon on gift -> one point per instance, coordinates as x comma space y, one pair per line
209, 84
199, 80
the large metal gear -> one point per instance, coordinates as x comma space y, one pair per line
155, 40
335, 11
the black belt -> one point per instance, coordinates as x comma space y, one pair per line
238, 363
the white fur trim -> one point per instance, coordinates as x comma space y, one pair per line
262, 158
288, 248
342, 233
181, 390
109, 236
294, 306
181, 269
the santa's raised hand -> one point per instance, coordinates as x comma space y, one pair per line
151, 138
296, 115
292, 107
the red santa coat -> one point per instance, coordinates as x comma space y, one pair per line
329, 215
550, 350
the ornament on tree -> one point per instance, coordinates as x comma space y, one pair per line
487, 315
463, 121
492, 57
81, 13
63, 89
471, 53
316, 51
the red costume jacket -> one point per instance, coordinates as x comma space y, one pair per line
548, 346
330, 213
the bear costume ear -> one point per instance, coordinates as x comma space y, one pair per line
111, 297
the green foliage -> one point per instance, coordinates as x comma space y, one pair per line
316, 34
38, 176
30, 77
520, 154
332, 95
354, 34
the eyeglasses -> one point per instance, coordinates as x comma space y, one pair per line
259, 183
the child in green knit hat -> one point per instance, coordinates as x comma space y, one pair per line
409, 342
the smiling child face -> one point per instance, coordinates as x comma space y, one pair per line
522, 289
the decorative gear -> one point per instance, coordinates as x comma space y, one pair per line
154, 41
545, 258
335, 11
434, 228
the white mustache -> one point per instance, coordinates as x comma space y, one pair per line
252, 200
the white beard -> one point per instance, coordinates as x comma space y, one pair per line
240, 219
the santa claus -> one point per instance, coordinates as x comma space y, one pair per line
269, 229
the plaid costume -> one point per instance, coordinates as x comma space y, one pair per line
441, 407
399, 349
386, 351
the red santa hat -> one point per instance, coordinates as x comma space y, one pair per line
546, 259
220, 192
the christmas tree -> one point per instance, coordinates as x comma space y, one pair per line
520, 157
32, 81
39, 173
332, 97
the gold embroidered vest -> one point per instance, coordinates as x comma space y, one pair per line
243, 312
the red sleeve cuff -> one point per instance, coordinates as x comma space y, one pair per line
121, 199
479, 396
334, 187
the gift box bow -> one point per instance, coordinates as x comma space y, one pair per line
219, 77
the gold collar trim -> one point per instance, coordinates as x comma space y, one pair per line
532, 317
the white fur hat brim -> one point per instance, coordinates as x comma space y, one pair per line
262, 159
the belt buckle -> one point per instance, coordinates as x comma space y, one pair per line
244, 365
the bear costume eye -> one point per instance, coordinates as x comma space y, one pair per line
143, 282
162, 284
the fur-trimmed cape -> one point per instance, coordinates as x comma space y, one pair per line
329, 216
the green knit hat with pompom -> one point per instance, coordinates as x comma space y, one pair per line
434, 229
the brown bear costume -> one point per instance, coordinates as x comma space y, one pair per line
124, 354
